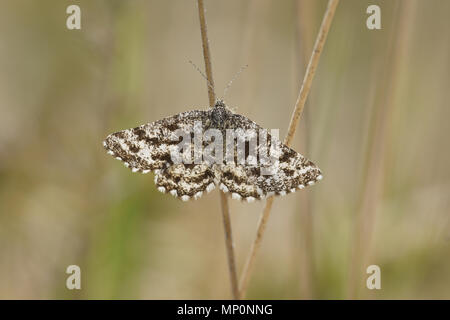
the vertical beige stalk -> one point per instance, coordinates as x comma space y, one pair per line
223, 197
299, 105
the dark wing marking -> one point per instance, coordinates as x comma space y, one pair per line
248, 183
292, 171
147, 147
185, 181
241, 182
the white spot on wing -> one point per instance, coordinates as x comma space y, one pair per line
198, 195
223, 188
210, 187
235, 196
250, 199
259, 191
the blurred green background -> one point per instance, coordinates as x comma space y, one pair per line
376, 123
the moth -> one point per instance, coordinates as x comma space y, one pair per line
149, 147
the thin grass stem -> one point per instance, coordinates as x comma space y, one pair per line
223, 197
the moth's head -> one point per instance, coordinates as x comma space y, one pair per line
219, 104
219, 114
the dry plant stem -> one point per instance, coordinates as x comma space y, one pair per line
311, 69
223, 197
299, 105
229, 245
206, 52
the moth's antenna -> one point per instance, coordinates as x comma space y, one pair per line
231, 81
203, 75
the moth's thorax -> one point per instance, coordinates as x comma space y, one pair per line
219, 115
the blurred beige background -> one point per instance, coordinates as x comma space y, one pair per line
376, 123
